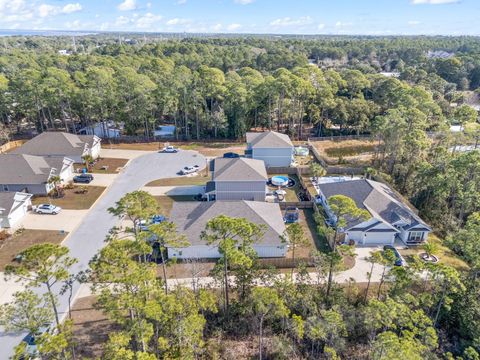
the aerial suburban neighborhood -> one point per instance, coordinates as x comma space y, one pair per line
219, 180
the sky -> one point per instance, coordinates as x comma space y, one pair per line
368, 17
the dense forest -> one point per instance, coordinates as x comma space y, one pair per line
314, 86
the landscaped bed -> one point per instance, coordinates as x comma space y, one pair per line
444, 254
23, 239
104, 166
73, 199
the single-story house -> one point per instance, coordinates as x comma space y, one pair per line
62, 144
13, 207
237, 179
390, 218
29, 173
192, 217
272, 147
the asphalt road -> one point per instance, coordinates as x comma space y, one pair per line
88, 238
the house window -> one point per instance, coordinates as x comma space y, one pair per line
415, 236
5, 187
180, 253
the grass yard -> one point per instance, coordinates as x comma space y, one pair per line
165, 203
357, 152
105, 166
291, 195
71, 200
444, 254
200, 179
23, 239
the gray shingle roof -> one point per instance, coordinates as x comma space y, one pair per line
377, 198
27, 169
268, 139
7, 199
239, 169
192, 217
56, 143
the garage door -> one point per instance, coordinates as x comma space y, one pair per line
379, 238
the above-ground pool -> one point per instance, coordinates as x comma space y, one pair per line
301, 151
283, 181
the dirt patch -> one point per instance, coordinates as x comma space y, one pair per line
200, 179
23, 239
187, 269
356, 152
212, 149
91, 328
73, 199
104, 166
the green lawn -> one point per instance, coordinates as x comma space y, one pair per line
444, 254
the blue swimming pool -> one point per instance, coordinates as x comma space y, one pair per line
281, 181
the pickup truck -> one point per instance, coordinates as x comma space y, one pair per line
46, 209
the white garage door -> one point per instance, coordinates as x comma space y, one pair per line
383, 238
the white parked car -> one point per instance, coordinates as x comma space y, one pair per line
47, 209
189, 170
170, 149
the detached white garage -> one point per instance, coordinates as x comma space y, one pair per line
13, 207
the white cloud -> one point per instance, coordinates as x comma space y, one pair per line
244, 2
177, 21
127, 5
320, 26
46, 10
434, 2
414, 22
288, 21
217, 27
121, 20
71, 8
340, 24
147, 20
181, 2
233, 27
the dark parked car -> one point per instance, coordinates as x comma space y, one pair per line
398, 258
231, 155
83, 178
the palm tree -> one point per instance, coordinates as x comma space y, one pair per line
317, 170
87, 160
430, 249
55, 181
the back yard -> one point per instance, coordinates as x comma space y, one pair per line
355, 152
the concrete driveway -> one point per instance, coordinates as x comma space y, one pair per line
102, 180
362, 266
175, 190
85, 241
67, 220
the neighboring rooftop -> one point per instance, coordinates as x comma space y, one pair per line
8, 199
56, 143
377, 198
239, 169
268, 139
192, 217
28, 169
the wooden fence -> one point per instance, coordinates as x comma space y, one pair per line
297, 204
341, 137
11, 145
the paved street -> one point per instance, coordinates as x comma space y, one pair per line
88, 238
